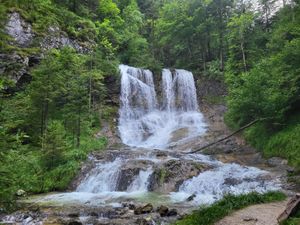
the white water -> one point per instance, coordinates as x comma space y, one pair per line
212, 185
146, 123
102, 178
141, 182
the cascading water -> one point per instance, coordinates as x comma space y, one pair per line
141, 182
212, 185
151, 119
102, 178
145, 123
105, 176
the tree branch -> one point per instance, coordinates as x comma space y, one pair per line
230, 135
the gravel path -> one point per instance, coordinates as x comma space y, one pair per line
263, 214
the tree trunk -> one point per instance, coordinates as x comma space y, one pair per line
204, 61
78, 129
244, 56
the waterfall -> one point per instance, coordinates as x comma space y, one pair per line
153, 118
168, 90
146, 123
141, 182
102, 178
187, 96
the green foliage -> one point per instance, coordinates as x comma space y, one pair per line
191, 34
212, 214
294, 220
270, 89
284, 142
49, 128
53, 145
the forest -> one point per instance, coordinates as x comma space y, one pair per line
49, 118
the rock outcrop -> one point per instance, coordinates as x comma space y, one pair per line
171, 174
19, 30
16, 63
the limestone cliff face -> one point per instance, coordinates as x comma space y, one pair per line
30, 47
20, 31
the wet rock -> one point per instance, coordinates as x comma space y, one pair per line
191, 198
170, 175
230, 181
172, 212
276, 161
290, 169
130, 206
34, 208
93, 214
161, 154
126, 177
143, 221
163, 210
143, 209
27, 220
179, 134
74, 215
74, 223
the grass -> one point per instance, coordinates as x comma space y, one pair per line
284, 143
295, 220
292, 221
211, 214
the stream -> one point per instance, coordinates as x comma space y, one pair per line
157, 120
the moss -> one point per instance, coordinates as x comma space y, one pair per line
198, 166
163, 173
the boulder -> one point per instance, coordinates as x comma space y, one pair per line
172, 212
163, 210
170, 175
191, 198
143, 209
126, 177
130, 206
143, 221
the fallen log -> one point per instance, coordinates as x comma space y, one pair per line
230, 135
293, 206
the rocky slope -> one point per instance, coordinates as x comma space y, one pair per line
29, 46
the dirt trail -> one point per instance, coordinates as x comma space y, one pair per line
262, 214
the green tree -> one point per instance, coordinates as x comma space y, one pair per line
53, 145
